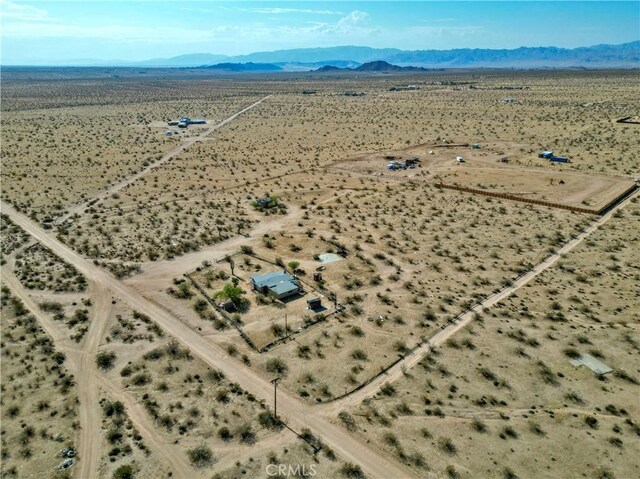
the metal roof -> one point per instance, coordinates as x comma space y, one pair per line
592, 363
273, 279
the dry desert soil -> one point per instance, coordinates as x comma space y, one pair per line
476, 318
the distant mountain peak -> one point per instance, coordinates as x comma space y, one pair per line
374, 66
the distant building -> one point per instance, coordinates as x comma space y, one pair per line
185, 121
267, 202
278, 283
403, 88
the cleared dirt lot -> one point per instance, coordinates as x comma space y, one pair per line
516, 391
496, 166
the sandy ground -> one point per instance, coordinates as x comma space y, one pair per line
290, 149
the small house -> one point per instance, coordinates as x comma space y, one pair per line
475, 146
545, 154
277, 283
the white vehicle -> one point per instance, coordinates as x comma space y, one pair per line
459, 159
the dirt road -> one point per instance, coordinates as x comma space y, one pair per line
81, 363
78, 209
298, 414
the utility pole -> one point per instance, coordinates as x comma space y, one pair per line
275, 396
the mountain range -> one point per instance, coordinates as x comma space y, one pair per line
375, 66
626, 55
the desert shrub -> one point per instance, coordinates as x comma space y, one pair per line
351, 471
452, 473
359, 354
591, 421
347, 421
619, 373
269, 420
277, 366
388, 389
478, 425
126, 471
154, 354
571, 353
447, 446
114, 436
105, 360
615, 441
247, 436
200, 456
508, 431
111, 408
224, 433
141, 379
509, 474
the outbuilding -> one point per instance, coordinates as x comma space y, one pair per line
314, 303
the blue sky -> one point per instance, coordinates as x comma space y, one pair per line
55, 32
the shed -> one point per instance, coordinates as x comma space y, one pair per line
314, 303
592, 363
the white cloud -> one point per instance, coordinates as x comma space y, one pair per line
255, 36
347, 25
354, 17
25, 13
280, 11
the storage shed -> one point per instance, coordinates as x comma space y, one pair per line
314, 303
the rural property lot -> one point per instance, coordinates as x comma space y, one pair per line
116, 240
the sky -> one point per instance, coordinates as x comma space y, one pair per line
53, 32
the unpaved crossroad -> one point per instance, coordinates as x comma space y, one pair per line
298, 414
81, 362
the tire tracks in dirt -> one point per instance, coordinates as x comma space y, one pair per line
300, 414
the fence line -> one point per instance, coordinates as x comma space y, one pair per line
508, 196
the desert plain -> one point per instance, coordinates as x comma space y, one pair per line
463, 308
